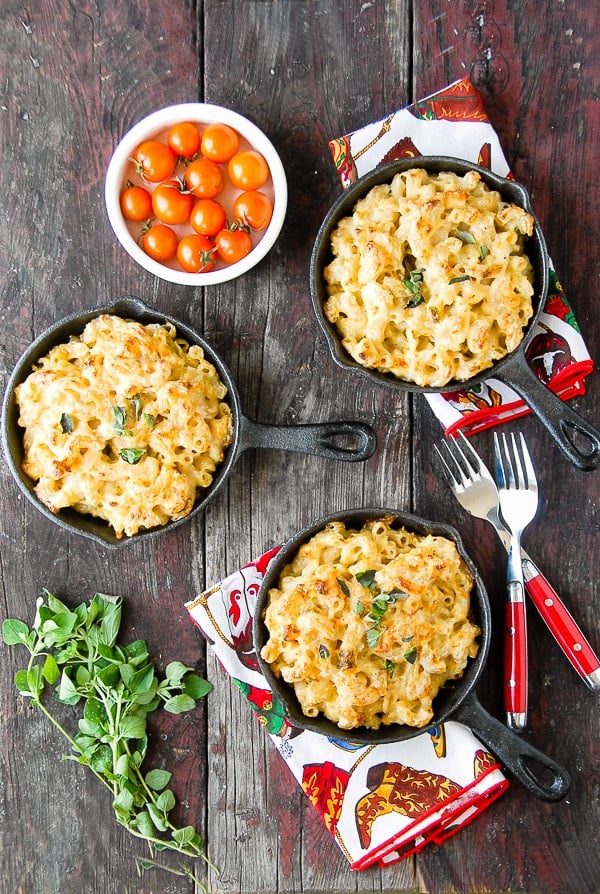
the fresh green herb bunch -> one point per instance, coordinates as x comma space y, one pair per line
74, 652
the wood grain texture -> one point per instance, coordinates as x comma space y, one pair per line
74, 77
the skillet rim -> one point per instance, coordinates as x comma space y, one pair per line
452, 697
127, 307
321, 255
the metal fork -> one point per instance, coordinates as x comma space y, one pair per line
472, 484
518, 502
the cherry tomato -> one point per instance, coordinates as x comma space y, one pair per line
160, 242
195, 253
233, 243
184, 139
204, 178
253, 208
248, 169
154, 161
219, 142
208, 217
170, 204
136, 203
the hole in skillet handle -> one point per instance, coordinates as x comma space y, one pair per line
535, 770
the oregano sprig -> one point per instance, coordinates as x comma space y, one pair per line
75, 654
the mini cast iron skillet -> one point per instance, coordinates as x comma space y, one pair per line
563, 423
541, 775
351, 441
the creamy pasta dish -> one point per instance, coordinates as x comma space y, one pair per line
430, 281
126, 422
368, 624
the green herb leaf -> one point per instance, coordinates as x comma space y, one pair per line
343, 586
455, 279
373, 637
66, 424
414, 280
14, 631
132, 455
120, 416
366, 579
158, 779
75, 653
195, 686
323, 651
149, 419
411, 655
483, 252
179, 704
136, 402
466, 237
359, 608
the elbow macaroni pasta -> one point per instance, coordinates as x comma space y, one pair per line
126, 422
429, 279
367, 625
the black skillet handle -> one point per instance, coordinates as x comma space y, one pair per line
348, 441
551, 782
562, 422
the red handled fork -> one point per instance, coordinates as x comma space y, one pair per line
475, 489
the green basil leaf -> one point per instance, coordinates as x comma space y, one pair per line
157, 780
133, 727
14, 631
166, 801
132, 455
411, 655
366, 579
50, 670
463, 278
373, 637
66, 424
179, 704
195, 686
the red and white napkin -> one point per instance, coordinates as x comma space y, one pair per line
381, 803
453, 122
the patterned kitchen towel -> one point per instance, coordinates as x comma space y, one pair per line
381, 803
453, 122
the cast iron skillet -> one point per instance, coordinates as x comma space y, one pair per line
563, 423
351, 441
541, 775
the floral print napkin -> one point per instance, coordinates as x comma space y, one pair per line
453, 122
381, 803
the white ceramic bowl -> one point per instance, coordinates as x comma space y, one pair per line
155, 126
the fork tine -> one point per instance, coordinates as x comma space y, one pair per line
499, 465
476, 464
451, 478
529, 470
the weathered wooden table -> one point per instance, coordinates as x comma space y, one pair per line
74, 78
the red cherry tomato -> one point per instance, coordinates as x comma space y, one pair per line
233, 243
204, 178
248, 169
184, 139
253, 208
195, 253
154, 161
219, 142
208, 217
136, 203
159, 242
170, 204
